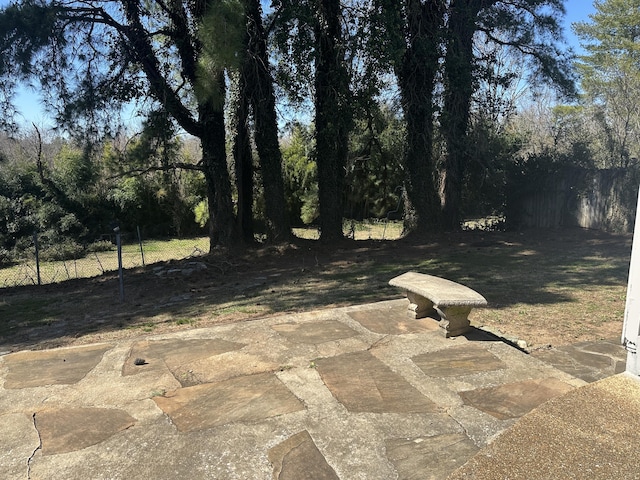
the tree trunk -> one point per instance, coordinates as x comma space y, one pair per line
209, 127
223, 229
243, 162
416, 74
459, 62
266, 125
332, 119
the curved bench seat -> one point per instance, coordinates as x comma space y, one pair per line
448, 302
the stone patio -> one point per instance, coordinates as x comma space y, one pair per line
353, 393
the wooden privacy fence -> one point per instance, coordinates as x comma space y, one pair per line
598, 199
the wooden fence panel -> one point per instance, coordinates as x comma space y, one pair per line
597, 199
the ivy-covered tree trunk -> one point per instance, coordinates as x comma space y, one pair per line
209, 126
333, 118
459, 88
416, 72
243, 161
222, 224
263, 102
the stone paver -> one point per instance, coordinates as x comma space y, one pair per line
68, 429
513, 400
362, 383
466, 360
298, 458
429, 458
392, 321
352, 393
174, 352
312, 333
588, 361
51, 367
242, 399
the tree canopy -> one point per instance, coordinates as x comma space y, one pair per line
186, 65
610, 73
91, 57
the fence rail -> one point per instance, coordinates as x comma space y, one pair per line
97, 263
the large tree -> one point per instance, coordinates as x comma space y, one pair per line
315, 68
332, 117
432, 47
531, 29
610, 75
260, 91
414, 32
311, 39
90, 57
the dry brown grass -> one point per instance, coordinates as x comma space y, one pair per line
548, 287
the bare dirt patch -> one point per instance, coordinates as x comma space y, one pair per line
549, 287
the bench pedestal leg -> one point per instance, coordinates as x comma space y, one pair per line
420, 307
454, 320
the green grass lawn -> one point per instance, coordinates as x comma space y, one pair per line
98, 263
154, 251
368, 230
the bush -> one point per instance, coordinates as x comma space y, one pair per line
66, 250
5, 258
100, 246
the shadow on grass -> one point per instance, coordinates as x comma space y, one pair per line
536, 268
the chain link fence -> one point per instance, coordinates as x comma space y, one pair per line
32, 270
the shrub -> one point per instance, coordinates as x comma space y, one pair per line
65, 250
100, 246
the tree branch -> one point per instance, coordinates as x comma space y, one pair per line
141, 50
163, 168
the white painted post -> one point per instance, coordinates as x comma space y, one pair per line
631, 329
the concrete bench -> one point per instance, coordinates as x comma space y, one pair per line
444, 300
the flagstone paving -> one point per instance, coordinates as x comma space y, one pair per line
389, 320
465, 360
589, 361
360, 392
433, 457
51, 367
68, 429
362, 383
298, 458
241, 399
512, 400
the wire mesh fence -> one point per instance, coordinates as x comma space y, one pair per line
34, 271
137, 252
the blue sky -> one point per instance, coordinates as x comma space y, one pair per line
577, 11
28, 101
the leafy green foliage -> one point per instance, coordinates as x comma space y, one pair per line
374, 169
300, 174
221, 32
611, 78
26, 207
93, 58
293, 37
485, 181
76, 198
201, 212
19, 51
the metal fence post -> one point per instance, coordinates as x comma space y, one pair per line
120, 273
35, 243
140, 242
